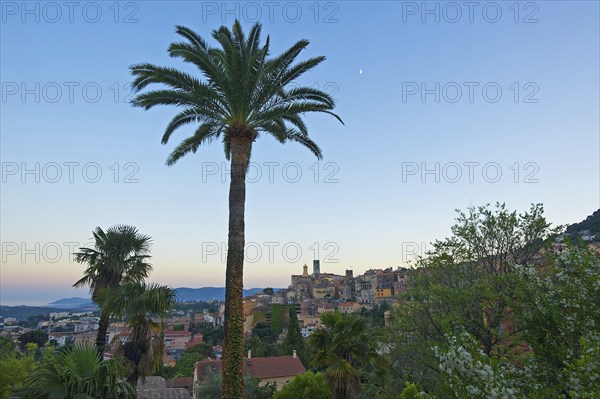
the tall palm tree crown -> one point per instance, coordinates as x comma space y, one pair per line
120, 255
244, 92
241, 93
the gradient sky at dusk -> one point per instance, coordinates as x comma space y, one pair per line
365, 205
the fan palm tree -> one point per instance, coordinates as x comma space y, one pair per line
240, 93
138, 303
78, 373
342, 344
120, 255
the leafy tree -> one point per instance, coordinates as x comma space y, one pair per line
265, 333
241, 93
14, 367
204, 350
120, 255
37, 337
547, 342
305, 386
561, 324
258, 347
35, 320
343, 346
467, 283
178, 327
269, 291
583, 371
376, 316
470, 373
138, 303
185, 365
293, 339
7, 346
78, 373
212, 334
412, 391
255, 391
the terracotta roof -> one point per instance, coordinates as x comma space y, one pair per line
156, 388
185, 382
151, 382
260, 367
347, 304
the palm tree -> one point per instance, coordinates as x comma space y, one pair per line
78, 373
241, 92
119, 255
342, 344
138, 303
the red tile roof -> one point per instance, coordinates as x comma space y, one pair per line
260, 367
184, 382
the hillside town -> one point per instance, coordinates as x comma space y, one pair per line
309, 295
192, 331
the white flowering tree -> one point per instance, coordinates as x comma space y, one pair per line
470, 373
466, 284
559, 318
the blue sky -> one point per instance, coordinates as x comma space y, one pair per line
509, 89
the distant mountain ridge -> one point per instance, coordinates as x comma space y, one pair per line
184, 294
72, 303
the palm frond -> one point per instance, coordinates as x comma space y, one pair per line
240, 90
191, 36
204, 134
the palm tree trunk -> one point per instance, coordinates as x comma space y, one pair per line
102, 328
233, 347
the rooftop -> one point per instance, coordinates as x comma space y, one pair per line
260, 367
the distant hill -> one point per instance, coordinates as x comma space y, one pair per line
72, 303
591, 223
76, 305
184, 294
208, 293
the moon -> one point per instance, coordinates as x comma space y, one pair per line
360, 71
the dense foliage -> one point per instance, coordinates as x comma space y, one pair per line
185, 365
15, 367
495, 312
305, 386
77, 373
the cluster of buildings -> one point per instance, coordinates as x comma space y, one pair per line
309, 295
62, 328
372, 287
